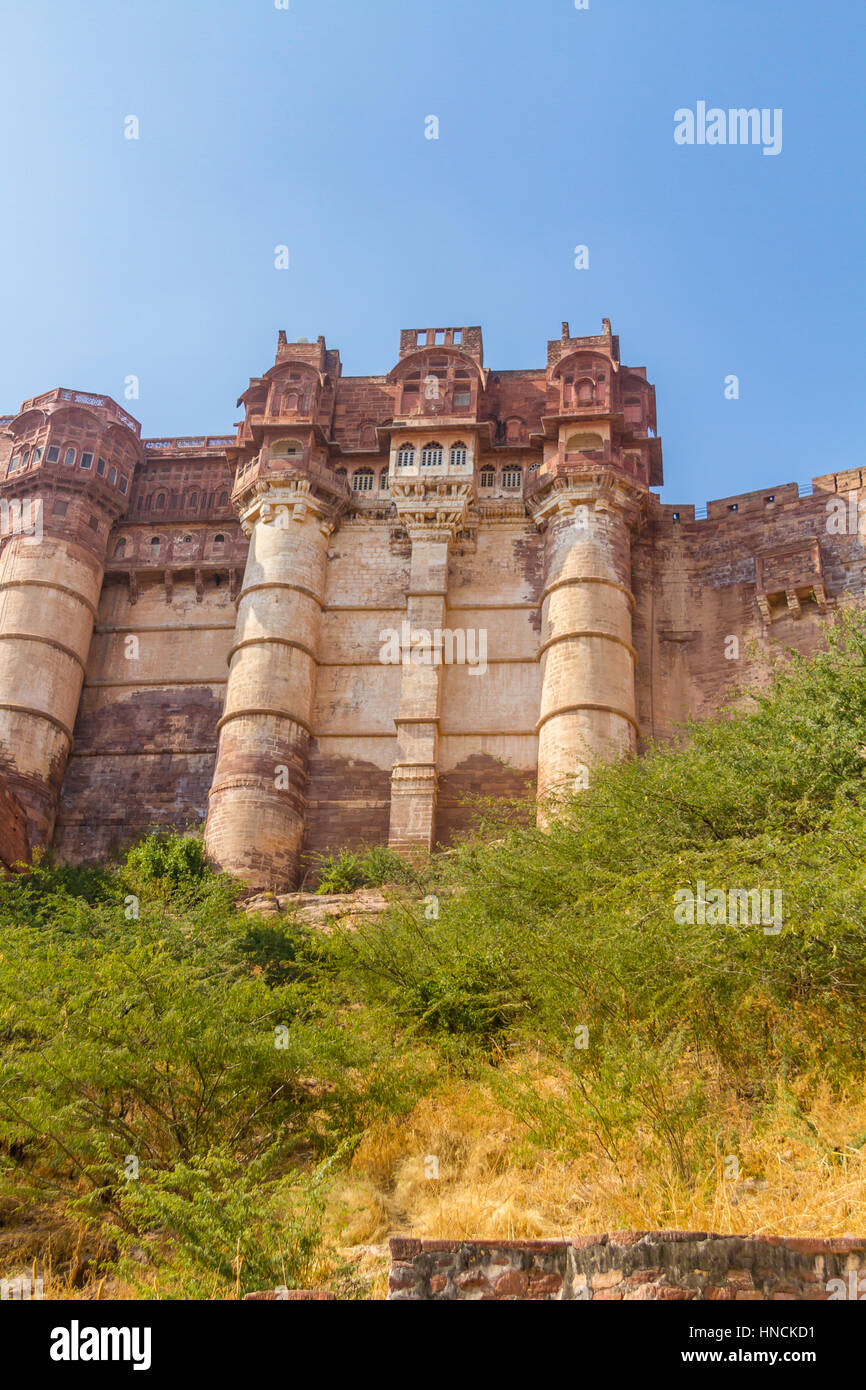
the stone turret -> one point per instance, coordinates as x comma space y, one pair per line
590, 496
66, 465
289, 501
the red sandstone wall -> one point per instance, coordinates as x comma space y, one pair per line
14, 846
626, 1266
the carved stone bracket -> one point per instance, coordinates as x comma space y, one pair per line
793, 572
433, 509
290, 500
601, 489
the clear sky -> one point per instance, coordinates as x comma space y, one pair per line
305, 127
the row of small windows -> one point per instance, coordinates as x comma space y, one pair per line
156, 545
432, 455
104, 470
159, 501
364, 479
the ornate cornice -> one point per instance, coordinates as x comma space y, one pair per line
602, 488
432, 508
292, 499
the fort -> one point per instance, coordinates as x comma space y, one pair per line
257, 571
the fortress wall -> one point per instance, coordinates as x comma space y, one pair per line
695, 585
488, 744
146, 732
354, 745
488, 741
14, 844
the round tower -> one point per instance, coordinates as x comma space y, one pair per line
588, 662
289, 501
66, 466
601, 455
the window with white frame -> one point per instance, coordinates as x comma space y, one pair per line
431, 455
512, 477
487, 477
406, 456
459, 455
362, 480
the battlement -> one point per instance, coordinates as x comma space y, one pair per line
468, 340
62, 395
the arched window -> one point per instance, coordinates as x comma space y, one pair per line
192, 502
286, 449
219, 541
512, 477
159, 504
187, 540
69, 457
431, 456
362, 480
112, 476
458, 455
584, 443
120, 549
487, 477
514, 430
585, 392
406, 456
291, 402
383, 481
223, 499
154, 545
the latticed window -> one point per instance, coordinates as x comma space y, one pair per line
431, 456
487, 477
406, 456
512, 477
362, 480
458, 455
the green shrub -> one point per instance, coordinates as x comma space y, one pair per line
232, 1228
368, 867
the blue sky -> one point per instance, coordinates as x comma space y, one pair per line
305, 127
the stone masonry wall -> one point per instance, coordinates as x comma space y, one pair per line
13, 828
626, 1266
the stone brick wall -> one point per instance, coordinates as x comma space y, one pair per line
626, 1266
14, 845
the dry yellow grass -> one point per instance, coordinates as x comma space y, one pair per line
793, 1180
